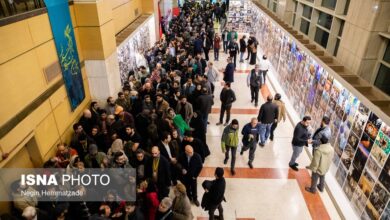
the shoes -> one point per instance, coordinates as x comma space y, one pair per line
321, 190
219, 123
250, 165
271, 138
196, 202
261, 144
256, 105
225, 161
226, 124
233, 172
252, 100
309, 190
296, 164
295, 168
247, 59
208, 123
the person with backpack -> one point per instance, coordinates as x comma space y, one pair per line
255, 81
229, 142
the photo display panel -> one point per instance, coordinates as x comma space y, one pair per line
360, 138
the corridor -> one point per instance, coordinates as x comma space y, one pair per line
271, 190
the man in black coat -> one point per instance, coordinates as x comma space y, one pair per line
206, 46
228, 74
300, 139
242, 48
198, 146
169, 153
191, 165
158, 171
214, 194
255, 80
233, 51
227, 98
268, 115
204, 103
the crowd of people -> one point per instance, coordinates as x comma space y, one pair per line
158, 123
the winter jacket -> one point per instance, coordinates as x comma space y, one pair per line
268, 113
228, 75
319, 133
227, 97
229, 137
247, 130
301, 135
322, 159
255, 79
181, 208
282, 110
242, 45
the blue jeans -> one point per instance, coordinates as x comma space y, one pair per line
265, 130
242, 56
297, 150
205, 118
216, 53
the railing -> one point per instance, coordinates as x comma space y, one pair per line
13, 7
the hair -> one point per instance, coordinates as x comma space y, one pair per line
75, 126
139, 151
219, 172
235, 122
120, 93
182, 97
128, 203
146, 96
117, 155
108, 99
324, 140
181, 188
228, 84
306, 118
165, 135
93, 103
270, 98
278, 96
326, 120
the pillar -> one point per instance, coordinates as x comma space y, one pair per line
96, 32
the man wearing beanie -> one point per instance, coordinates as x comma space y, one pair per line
229, 141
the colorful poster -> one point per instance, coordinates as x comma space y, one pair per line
383, 141
62, 29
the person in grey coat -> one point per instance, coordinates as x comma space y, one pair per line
322, 131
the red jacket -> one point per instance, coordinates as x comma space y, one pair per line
217, 42
152, 204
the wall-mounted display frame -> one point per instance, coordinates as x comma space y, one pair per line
361, 139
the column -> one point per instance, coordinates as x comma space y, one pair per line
96, 31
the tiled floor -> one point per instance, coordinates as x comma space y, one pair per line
271, 190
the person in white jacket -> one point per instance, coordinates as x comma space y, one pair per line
212, 75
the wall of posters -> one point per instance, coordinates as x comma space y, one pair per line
131, 52
361, 164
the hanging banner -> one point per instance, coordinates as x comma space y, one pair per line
61, 26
